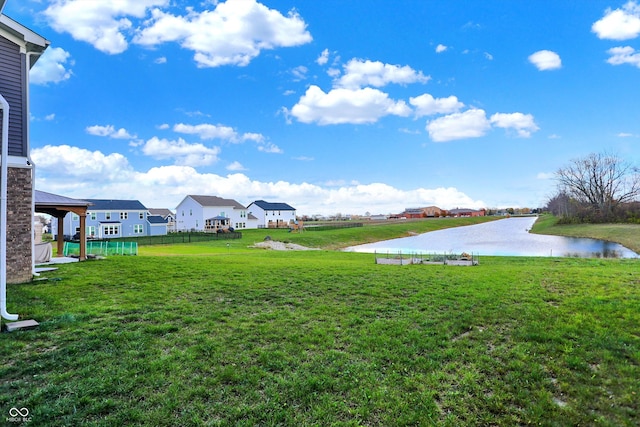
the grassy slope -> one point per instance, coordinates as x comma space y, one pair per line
330, 239
627, 235
249, 337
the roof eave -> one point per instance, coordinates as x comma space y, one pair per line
34, 43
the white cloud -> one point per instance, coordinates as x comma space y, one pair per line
619, 24
545, 60
356, 106
235, 166
256, 137
333, 72
624, 55
69, 163
182, 152
323, 58
488, 56
268, 147
300, 72
360, 73
80, 173
523, 124
472, 123
208, 131
441, 48
234, 33
103, 23
109, 131
161, 60
51, 67
50, 117
427, 105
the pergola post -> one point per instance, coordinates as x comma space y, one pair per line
60, 235
83, 236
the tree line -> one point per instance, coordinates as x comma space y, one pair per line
599, 187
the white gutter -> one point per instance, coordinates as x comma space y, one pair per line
4, 173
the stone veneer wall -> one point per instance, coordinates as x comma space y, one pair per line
19, 225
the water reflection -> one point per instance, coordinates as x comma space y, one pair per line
505, 237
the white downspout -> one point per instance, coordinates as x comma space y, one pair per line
4, 173
33, 165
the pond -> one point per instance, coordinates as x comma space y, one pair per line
504, 237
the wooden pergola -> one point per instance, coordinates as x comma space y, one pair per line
59, 207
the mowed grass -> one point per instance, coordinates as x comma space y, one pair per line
245, 337
369, 233
628, 235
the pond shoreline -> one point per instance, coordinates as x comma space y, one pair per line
504, 237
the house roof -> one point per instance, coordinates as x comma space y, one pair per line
156, 220
33, 41
462, 210
267, 206
45, 199
116, 205
208, 201
163, 212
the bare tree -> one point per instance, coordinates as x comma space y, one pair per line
601, 181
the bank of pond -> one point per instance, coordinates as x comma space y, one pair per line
505, 237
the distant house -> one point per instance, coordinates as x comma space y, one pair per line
20, 48
272, 215
379, 217
166, 214
427, 212
466, 212
107, 218
210, 214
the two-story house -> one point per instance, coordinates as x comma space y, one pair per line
272, 215
166, 214
20, 48
210, 214
107, 218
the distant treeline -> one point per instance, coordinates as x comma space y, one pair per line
571, 211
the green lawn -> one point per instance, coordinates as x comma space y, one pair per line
627, 235
215, 335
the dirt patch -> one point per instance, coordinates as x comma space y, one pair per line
280, 246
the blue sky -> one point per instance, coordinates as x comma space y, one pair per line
331, 106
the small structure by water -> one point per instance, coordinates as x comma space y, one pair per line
399, 258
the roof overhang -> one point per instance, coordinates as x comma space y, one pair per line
58, 206
29, 40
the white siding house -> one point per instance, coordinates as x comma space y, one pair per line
210, 214
272, 215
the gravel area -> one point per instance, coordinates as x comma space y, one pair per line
280, 246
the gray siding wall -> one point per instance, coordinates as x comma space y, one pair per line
13, 88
